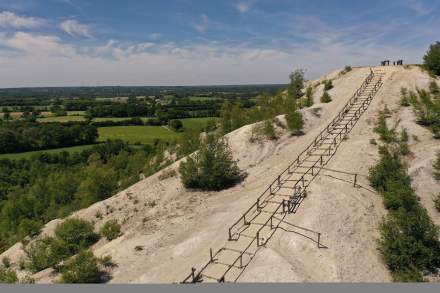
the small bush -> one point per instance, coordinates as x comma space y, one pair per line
8, 276
111, 230
6, 262
83, 268
263, 130
268, 130
309, 97
434, 88
404, 98
45, 252
76, 234
403, 143
295, 122
167, 174
326, 98
211, 168
437, 202
328, 85
437, 167
346, 69
386, 135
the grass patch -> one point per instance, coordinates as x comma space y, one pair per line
196, 123
61, 119
137, 134
27, 155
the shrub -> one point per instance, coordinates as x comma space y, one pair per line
8, 276
346, 69
264, 130
431, 60
211, 125
437, 202
326, 98
434, 88
386, 135
404, 98
212, 167
295, 122
111, 230
268, 130
83, 268
6, 262
46, 252
76, 234
437, 167
403, 143
309, 97
167, 174
328, 85
176, 125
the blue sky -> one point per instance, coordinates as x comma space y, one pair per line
183, 42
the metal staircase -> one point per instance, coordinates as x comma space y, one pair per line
285, 194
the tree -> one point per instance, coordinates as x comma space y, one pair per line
212, 167
76, 234
326, 98
431, 60
296, 85
176, 125
226, 117
295, 122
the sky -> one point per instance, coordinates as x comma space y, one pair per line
199, 42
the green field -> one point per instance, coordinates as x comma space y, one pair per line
136, 134
76, 113
131, 134
30, 154
100, 119
61, 119
196, 123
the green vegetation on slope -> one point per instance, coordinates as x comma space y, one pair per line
36, 190
409, 239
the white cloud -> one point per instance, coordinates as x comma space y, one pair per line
12, 20
243, 7
154, 36
202, 25
37, 45
75, 28
47, 61
419, 7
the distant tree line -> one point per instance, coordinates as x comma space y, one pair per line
22, 136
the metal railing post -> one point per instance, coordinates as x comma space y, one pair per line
193, 274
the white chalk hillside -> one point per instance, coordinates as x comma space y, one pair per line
168, 229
